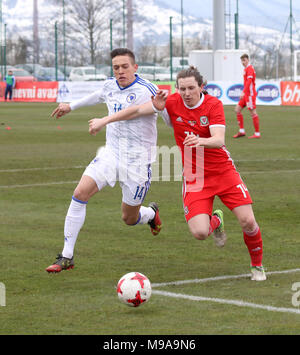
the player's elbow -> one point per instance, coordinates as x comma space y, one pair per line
219, 142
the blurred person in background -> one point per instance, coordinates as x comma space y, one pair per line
10, 84
247, 99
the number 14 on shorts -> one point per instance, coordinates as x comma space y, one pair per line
139, 193
243, 189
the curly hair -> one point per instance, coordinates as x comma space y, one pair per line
191, 72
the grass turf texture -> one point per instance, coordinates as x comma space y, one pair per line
84, 300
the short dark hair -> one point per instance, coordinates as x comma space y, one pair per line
122, 51
245, 56
190, 72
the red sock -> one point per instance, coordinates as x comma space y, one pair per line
240, 120
255, 246
214, 223
256, 123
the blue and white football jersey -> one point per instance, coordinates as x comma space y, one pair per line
137, 136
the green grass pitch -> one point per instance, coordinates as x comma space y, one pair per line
42, 158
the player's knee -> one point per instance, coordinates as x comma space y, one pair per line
128, 219
81, 194
248, 223
199, 233
200, 236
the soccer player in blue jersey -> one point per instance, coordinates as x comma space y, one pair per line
126, 157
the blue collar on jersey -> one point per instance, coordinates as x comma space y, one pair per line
126, 87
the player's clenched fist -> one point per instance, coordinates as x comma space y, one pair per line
96, 124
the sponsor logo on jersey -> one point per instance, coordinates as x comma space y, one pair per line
131, 98
234, 92
204, 121
192, 123
214, 90
179, 119
268, 92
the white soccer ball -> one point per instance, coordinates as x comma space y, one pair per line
134, 289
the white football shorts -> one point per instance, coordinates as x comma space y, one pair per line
134, 176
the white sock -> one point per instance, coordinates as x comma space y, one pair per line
73, 223
146, 214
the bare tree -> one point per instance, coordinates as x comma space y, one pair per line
17, 50
146, 53
87, 22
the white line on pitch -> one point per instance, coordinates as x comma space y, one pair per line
270, 171
41, 169
82, 166
38, 184
175, 178
263, 160
218, 278
224, 301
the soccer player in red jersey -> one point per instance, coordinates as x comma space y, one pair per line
198, 122
247, 99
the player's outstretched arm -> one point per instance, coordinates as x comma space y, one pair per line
156, 104
97, 124
88, 100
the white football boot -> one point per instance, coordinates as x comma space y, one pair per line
258, 273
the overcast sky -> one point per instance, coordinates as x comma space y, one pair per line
270, 13
273, 13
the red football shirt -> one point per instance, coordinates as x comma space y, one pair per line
249, 81
207, 113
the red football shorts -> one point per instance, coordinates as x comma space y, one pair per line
248, 101
229, 187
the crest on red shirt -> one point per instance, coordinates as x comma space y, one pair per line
204, 121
